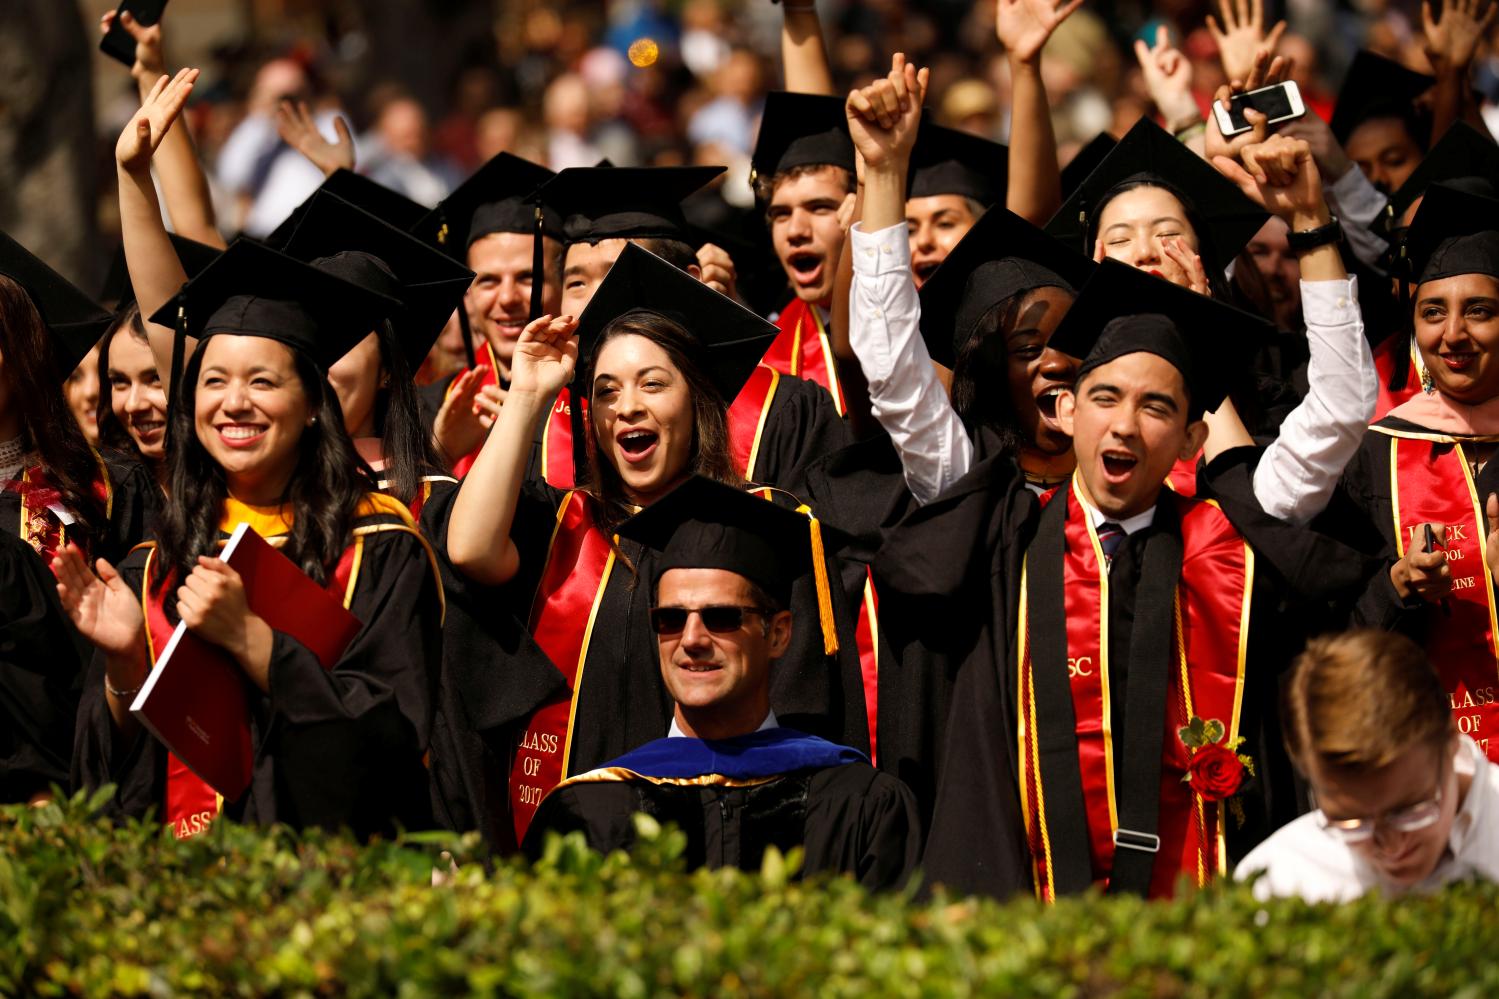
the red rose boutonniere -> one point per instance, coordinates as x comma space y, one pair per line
1215, 770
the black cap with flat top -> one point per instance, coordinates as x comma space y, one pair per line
1123, 310
1461, 153
947, 161
1086, 161
1001, 256
495, 198
1376, 87
253, 290
1454, 232
386, 204
598, 203
703, 524
348, 242
798, 130
732, 338
75, 321
1226, 220
193, 255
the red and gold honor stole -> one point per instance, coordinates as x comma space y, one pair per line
557, 455
1084, 786
483, 355
41, 527
572, 585
1431, 482
1388, 356
190, 803
1182, 479
803, 349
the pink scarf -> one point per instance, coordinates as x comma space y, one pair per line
1436, 412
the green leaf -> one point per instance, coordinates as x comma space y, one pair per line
1213, 731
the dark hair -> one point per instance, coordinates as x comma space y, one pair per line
980, 381
407, 446
765, 187
31, 369
1212, 262
112, 433
325, 488
709, 455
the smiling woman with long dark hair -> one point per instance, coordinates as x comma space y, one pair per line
258, 438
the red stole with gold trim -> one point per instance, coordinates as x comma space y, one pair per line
1206, 674
190, 803
40, 525
1182, 479
484, 355
577, 571
1431, 482
1388, 357
803, 349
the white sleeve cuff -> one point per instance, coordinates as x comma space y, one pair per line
887, 251
1330, 303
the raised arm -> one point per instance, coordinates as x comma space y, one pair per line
298, 129
804, 55
1168, 77
1241, 36
1451, 43
479, 543
1035, 182
184, 185
155, 272
1299, 470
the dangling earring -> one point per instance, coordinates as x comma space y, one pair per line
1427, 384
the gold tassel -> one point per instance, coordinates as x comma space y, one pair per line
824, 593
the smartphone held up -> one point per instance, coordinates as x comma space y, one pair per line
1279, 102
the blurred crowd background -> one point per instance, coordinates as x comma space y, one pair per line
432, 88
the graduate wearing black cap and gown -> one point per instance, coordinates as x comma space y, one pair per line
948, 163
112, 505
1377, 121
778, 424
1071, 679
1429, 461
799, 131
753, 783
596, 693
335, 747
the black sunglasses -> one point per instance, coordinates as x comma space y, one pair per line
721, 620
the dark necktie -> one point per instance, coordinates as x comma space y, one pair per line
1110, 537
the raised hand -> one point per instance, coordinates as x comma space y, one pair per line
1452, 42
1332, 161
148, 126
462, 422
101, 607
298, 130
1241, 37
149, 61
1280, 174
545, 356
883, 117
716, 270
1263, 72
1023, 26
1168, 77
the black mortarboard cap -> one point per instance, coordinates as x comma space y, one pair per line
703, 524
253, 290
1454, 232
1225, 219
388, 205
733, 338
493, 199
1375, 87
1001, 256
596, 203
1086, 161
75, 321
1461, 153
193, 255
352, 244
801, 130
1123, 310
947, 161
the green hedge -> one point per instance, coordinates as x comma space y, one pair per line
86, 909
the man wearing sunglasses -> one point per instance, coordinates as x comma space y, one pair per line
1406, 800
727, 774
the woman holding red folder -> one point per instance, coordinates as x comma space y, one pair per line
257, 436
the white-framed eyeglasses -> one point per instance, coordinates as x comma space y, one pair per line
1422, 815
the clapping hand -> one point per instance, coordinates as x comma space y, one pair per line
101, 607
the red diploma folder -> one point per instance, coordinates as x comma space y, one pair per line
195, 698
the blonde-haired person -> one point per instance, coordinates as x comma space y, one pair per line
1404, 802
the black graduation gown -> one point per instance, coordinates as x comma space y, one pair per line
848, 819
500, 676
133, 498
955, 564
333, 748
42, 663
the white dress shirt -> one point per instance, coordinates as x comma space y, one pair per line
1301, 859
1129, 525
1296, 474
675, 732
